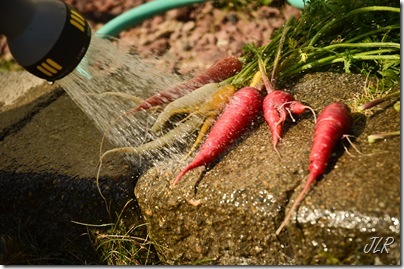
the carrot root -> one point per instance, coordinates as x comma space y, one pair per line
188, 168
236, 117
296, 203
333, 122
298, 108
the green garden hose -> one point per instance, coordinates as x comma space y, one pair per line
138, 14
299, 3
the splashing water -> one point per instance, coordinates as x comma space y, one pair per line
110, 81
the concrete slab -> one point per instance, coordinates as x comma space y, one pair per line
17, 85
49, 154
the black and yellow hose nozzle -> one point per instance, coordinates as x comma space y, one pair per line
46, 37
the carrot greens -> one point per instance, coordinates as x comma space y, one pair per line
334, 35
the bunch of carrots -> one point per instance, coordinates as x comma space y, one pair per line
223, 101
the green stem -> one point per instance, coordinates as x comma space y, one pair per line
337, 58
360, 56
370, 33
376, 57
376, 137
351, 13
278, 53
362, 45
251, 68
377, 52
378, 101
245, 74
268, 46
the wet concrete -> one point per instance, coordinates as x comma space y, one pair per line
49, 155
228, 214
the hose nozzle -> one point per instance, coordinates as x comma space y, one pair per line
49, 41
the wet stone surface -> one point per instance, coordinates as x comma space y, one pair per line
229, 213
49, 152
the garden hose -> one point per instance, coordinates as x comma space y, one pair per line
140, 13
299, 3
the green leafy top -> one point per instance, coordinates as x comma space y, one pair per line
335, 35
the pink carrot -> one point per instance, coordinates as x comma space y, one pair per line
242, 109
277, 105
218, 72
333, 122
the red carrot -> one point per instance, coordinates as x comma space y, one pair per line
218, 72
334, 121
275, 112
277, 105
242, 109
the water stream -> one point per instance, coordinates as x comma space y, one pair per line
108, 82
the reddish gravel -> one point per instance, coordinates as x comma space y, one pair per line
189, 38
195, 37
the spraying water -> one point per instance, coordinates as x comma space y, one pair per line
110, 81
